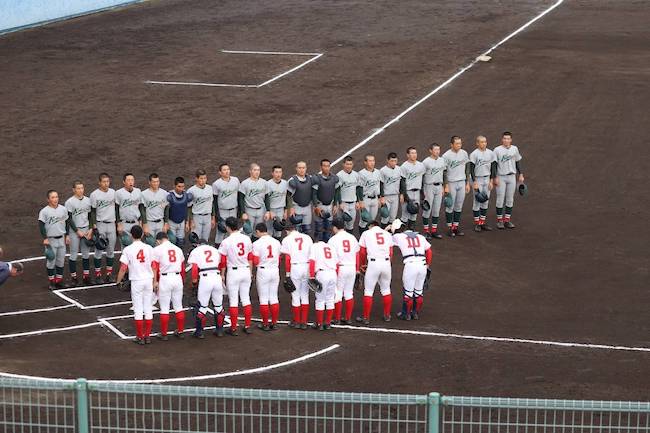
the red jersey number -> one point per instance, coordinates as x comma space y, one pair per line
346, 246
380, 239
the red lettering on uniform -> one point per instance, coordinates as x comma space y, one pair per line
241, 246
346, 246
208, 256
380, 239
299, 240
172, 256
413, 242
327, 252
140, 256
270, 248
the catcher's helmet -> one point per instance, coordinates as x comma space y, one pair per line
295, 219
480, 196
523, 189
171, 236
278, 224
384, 211
449, 202
325, 214
149, 240
413, 207
247, 227
125, 239
193, 238
49, 253
425, 205
221, 225
365, 216
347, 217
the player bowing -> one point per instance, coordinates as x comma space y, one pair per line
347, 249
296, 247
169, 273
323, 265
266, 259
376, 253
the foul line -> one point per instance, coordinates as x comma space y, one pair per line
50, 330
192, 378
35, 258
314, 57
37, 310
443, 85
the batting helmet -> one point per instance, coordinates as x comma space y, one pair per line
289, 286
126, 239
193, 238
101, 242
413, 207
365, 215
425, 205
449, 202
315, 285
221, 225
523, 189
383, 211
325, 214
347, 217
247, 227
171, 236
295, 219
49, 253
150, 240
480, 196
278, 224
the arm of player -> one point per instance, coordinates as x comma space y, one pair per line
41, 229
359, 191
287, 265
121, 273
241, 205
520, 175
155, 267
429, 256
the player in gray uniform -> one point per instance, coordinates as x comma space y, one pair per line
349, 193
102, 219
129, 204
253, 199
391, 176
457, 184
277, 199
483, 165
201, 215
225, 190
434, 179
154, 201
372, 190
324, 200
78, 207
300, 197
508, 163
53, 225
411, 184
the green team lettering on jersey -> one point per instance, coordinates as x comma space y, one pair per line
104, 203
255, 192
454, 164
225, 194
128, 203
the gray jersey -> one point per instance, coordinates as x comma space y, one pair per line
79, 209
506, 159
277, 193
301, 189
370, 181
348, 183
456, 162
129, 202
226, 192
54, 220
201, 203
435, 169
104, 205
254, 192
154, 203
482, 161
391, 178
413, 174
325, 188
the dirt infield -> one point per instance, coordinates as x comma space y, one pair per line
572, 88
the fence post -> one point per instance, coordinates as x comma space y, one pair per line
434, 412
82, 405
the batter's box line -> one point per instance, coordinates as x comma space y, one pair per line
314, 57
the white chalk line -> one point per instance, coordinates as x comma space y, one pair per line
35, 258
445, 83
50, 330
315, 56
265, 368
36, 310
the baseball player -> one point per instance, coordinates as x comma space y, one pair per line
78, 207
483, 166
154, 202
136, 259
508, 164
417, 255
201, 216
129, 204
434, 179
411, 184
236, 247
375, 253
457, 184
178, 210
300, 197
266, 259
103, 218
207, 270
169, 273
372, 190
350, 194
347, 250
253, 200
225, 190
391, 177
8, 269
278, 199
323, 265
323, 200
296, 247
53, 225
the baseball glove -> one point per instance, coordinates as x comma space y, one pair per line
358, 281
289, 286
427, 280
315, 285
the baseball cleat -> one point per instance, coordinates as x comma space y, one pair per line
179, 335
273, 327
60, 286
198, 335
262, 327
162, 337
147, 340
415, 316
477, 228
73, 282
303, 326
109, 279
87, 281
335, 322
232, 332
51, 286
138, 341
218, 332
248, 330
293, 324
318, 327
459, 232
509, 225
345, 322
486, 228
436, 235
402, 316
363, 320
327, 326
386, 318
451, 233
500, 225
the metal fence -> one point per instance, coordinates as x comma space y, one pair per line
101, 407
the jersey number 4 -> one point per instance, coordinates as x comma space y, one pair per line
140, 256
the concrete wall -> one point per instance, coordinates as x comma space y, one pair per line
17, 14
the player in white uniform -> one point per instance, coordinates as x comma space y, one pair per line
137, 260
207, 266
296, 247
417, 255
237, 248
508, 163
169, 272
347, 250
266, 259
376, 252
323, 265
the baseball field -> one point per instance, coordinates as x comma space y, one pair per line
556, 308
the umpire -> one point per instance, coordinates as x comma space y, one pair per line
9, 269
